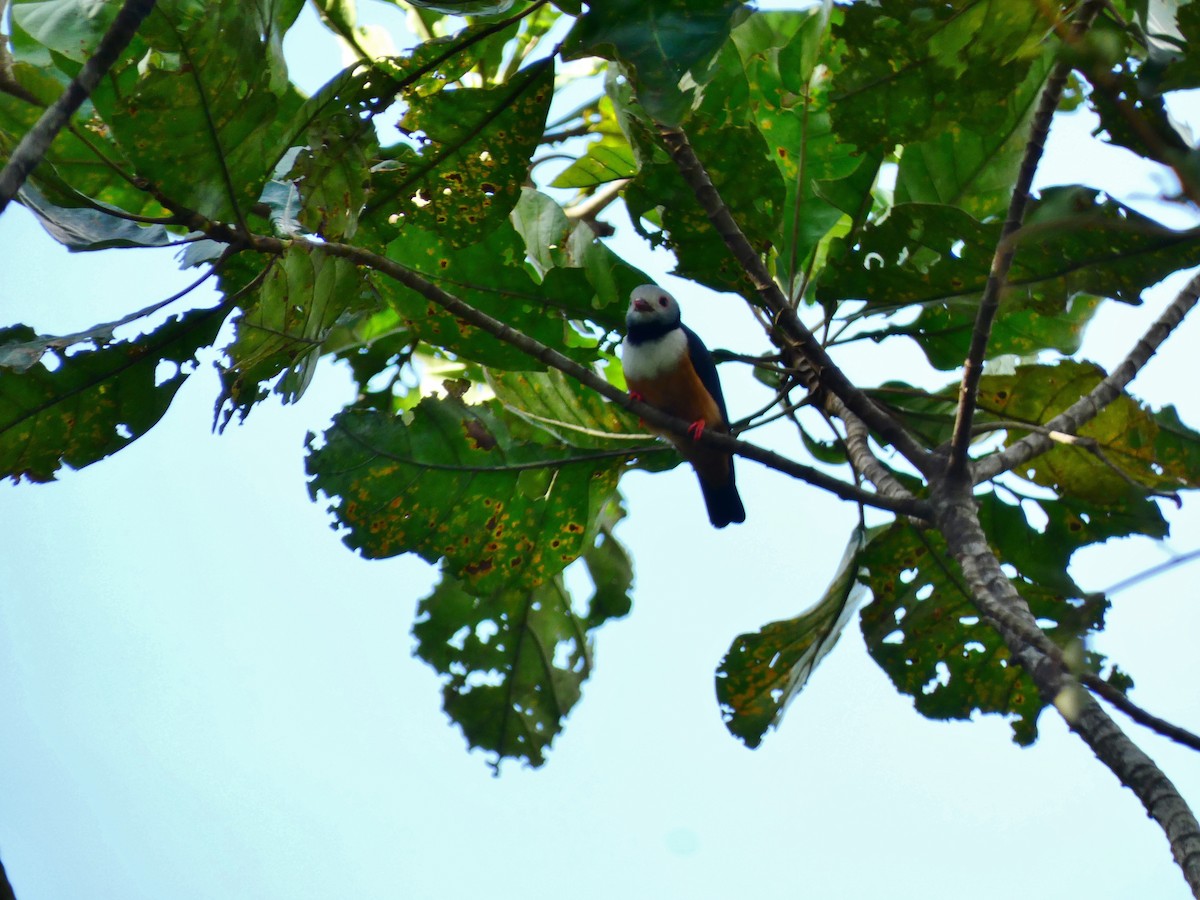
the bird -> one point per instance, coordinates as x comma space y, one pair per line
667, 365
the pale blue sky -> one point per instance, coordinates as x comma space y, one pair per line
204, 694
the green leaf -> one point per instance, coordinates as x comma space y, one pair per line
608, 159
740, 164
75, 171
93, 402
924, 632
661, 40
90, 229
772, 76
974, 169
764, 671
913, 69
303, 296
1075, 241
610, 567
71, 28
203, 118
943, 331
513, 659
1153, 449
474, 156
501, 503
492, 277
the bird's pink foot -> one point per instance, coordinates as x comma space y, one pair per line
696, 429
636, 395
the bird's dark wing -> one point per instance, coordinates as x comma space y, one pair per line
702, 362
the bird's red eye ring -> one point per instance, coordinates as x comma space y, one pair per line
662, 301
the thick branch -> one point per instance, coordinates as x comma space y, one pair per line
1089, 406
33, 146
998, 602
858, 449
810, 358
997, 279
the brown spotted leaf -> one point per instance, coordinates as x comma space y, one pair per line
91, 403
503, 504
1154, 449
764, 671
474, 156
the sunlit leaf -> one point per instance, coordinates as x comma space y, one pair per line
1144, 450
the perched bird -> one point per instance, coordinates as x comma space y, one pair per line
667, 365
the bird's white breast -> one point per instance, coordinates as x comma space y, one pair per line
650, 359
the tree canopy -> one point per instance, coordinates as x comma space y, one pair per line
857, 173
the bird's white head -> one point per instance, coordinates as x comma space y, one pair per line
651, 305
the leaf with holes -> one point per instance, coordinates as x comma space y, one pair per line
924, 632
498, 501
513, 659
94, 402
1076, 241
475, 146
763, 672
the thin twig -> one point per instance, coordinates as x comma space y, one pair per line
1098, 685
997, 278
1152, 572
1089, 406
33, 146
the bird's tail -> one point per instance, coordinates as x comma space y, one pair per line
723, 501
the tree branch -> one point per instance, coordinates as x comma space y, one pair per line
1098, 685
1089, 406
33, 146
551, 357
997, 280
955, 516
808, 356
